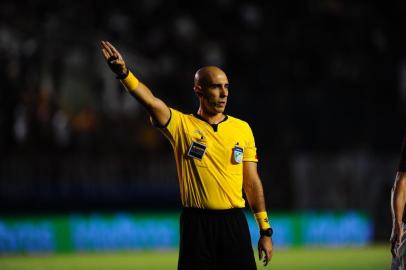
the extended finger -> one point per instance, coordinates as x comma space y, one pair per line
108, 48
114, 50
103, 45
259, 253
105, 54
266, 258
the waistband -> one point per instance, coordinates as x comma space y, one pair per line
211, 211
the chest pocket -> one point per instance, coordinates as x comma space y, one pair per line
197, 150
235, 155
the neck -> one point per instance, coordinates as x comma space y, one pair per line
211, 118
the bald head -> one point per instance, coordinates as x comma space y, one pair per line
207, 75
211, 87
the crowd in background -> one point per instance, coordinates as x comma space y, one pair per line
322, 84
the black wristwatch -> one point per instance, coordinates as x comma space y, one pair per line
267, 232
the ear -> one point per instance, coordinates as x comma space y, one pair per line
198, 90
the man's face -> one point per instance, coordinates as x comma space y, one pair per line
214, 93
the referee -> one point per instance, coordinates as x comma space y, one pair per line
216, 159
398, 200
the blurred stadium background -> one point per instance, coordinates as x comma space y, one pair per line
87, 183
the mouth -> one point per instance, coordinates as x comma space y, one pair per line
221, 103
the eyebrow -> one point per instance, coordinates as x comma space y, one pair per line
218, 84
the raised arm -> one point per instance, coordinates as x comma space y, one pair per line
398, 200
158, 110
255, 195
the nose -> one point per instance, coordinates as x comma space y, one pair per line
224, 91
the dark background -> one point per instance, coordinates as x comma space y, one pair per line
322, 84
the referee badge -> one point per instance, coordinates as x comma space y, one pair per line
197, 150
238, 153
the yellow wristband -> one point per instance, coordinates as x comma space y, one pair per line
262, 220
130, 82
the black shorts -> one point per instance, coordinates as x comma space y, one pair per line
215, 239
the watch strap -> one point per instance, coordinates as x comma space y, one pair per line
267, 232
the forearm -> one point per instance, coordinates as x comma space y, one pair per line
155, 107
255, 195
138, 90
398, 199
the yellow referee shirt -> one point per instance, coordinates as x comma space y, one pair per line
209, 159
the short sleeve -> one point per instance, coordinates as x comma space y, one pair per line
171, 129
250, 150
402, 162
